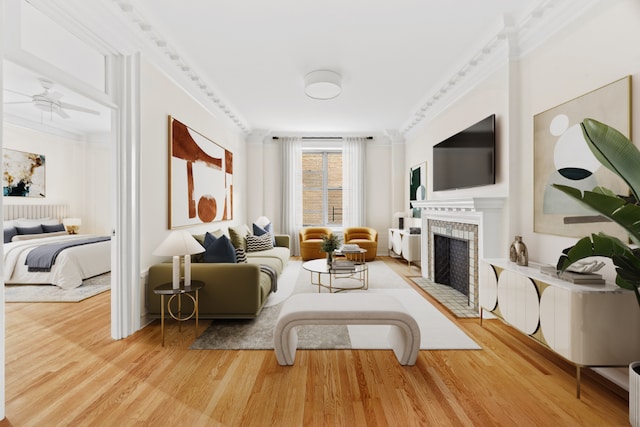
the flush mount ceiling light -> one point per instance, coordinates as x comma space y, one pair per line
322, 84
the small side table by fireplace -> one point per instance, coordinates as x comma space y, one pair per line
190, 291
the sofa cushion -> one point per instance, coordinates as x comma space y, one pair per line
218, 249
277, 258
239, 235
259, 243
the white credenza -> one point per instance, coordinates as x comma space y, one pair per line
404, 244
589, 325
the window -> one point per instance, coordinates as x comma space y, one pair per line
322, 188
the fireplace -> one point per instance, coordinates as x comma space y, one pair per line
453, 257
451, 262
461, 223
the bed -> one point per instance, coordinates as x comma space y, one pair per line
71, 266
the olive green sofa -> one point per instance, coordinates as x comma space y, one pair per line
230, 290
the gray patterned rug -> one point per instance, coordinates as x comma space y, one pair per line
437, 331
49, 293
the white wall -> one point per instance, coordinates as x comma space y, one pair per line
77, 173
160, 97
598, 48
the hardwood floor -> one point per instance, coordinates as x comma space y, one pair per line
62, 368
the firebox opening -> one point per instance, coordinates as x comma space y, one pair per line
451, 262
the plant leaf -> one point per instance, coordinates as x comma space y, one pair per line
613, 207
615, 151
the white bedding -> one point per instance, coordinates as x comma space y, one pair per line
71, 266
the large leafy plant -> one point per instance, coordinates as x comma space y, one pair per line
617, 153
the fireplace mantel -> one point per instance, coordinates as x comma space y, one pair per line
485, 212
471, 204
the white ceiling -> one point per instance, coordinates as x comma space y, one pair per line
390, 54
250, 57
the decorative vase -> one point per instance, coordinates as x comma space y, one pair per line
329, 257
634, 394
518, 252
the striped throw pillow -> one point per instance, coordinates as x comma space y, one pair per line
241, 255
259, 243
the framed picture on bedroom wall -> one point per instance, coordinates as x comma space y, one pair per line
561, 156
24, 174
200, 178
417, 187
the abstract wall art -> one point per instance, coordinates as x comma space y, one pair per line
561, 156
200, 178
24, 174
417, 187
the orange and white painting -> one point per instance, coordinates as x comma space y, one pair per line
200, 178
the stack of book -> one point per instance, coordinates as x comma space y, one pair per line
342, 267
573, 277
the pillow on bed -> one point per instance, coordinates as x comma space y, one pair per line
19, 237
30, 230
28, 222
9, 233
52, 228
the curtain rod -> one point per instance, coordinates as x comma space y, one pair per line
324, 137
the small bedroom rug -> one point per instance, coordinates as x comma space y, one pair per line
437, 332
49, 293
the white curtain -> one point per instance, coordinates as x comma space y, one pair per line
353, 182
291, 221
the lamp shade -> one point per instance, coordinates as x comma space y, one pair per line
179, 243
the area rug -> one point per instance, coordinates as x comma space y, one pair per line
437, 332
49, 293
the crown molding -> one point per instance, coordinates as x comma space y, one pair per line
510, 42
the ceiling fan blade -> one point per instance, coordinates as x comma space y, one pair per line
17, 102
17, 93
54, 96
61, 113
78, 108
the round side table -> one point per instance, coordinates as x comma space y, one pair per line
190, 291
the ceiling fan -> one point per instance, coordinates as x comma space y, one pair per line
49, 102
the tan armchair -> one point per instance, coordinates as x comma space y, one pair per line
365, 237
311, 242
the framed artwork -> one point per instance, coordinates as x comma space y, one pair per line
200, 178
417, 187
24, 174
561, 156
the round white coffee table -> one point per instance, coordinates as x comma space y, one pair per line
339, 279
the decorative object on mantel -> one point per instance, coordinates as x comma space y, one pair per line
561, 157
400, 216
617, 153
518, 252
330, 243
176, 244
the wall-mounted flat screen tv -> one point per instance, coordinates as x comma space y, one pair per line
466, 159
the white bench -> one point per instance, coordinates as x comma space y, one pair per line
346, 309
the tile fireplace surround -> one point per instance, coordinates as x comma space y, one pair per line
476, 220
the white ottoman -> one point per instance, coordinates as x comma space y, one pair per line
346, 309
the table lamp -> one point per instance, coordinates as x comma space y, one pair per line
72, 225
176, 244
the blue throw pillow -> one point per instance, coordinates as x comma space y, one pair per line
259, 231
30, 230
218, 249
52, 228
9, 233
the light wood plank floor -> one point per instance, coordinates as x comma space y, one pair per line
63, 369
